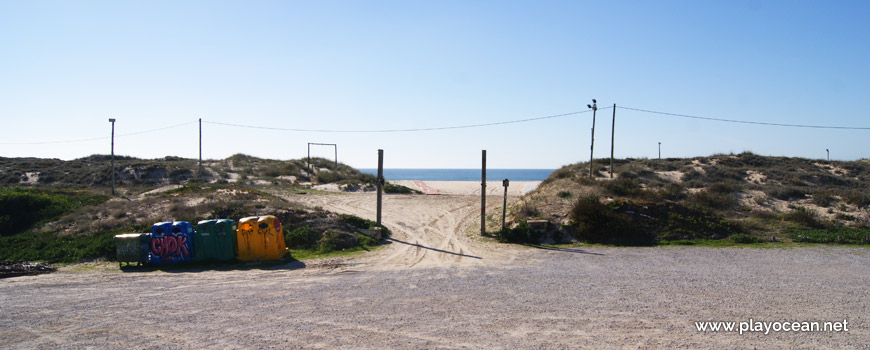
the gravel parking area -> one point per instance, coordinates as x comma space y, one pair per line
572, 298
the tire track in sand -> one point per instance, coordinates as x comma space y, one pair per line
428, 231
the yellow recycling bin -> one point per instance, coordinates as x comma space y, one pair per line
260, 238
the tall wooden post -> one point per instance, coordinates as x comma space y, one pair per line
483, 194
200, 148
506, 182
592, 146
380, 182
612, 138
112, 120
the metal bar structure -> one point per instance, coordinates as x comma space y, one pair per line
483, 194
380, 182
322, 144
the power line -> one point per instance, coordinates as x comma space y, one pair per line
95, 138
747, 121
398, 130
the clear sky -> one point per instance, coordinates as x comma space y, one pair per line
68, 66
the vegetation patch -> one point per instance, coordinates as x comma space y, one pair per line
845, 235
23, 208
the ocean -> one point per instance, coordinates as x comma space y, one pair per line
463, 174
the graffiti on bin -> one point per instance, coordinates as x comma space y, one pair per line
170, 248
171, 242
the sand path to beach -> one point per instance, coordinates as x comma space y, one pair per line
428, 230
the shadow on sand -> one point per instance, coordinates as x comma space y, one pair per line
558, 249
286, 264
433, 249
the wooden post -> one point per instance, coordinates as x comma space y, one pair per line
506, 182
483, 193
612, 138
113, 155
200, 148
592, 146
380, 182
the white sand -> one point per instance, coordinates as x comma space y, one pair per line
467, 188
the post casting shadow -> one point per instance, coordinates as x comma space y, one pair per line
433, 249
567, 250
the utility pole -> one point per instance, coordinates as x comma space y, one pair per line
200, 148
612, 138
112, 120
594, 107
483, 193
660, 150
380, 182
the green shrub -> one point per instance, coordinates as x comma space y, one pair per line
786, 192
713, 200
673, 191
399, 189
361, 223
598, 223
724, 187
522, 233
805, 217
44, 246
823, 198
858, 198
529, 211
623, 186
564, 194
846, 235
744, 238
336, 240
301, 237
22, 208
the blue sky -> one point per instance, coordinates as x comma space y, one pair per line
68, 66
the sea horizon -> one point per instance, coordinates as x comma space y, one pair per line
461, 174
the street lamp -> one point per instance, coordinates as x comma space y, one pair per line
594, 107
112, 120
829, 154
660, 150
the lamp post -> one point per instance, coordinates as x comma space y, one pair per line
112, 120
660, 150
594, 107
829, 154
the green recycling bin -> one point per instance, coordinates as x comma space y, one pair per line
215, 240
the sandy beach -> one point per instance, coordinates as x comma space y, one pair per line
469, 188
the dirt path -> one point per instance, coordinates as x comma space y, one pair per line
428, 230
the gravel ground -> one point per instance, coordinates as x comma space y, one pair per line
572, 298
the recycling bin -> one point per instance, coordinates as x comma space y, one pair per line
215, 240
260, 238
171, 242
131, 248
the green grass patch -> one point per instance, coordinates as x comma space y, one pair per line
844, 235
23, 208
44, 246
317, 253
